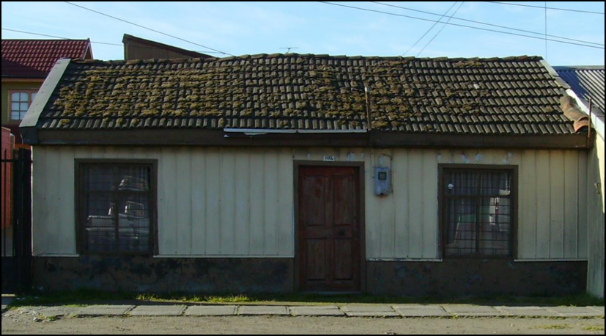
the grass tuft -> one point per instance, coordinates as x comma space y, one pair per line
82, 296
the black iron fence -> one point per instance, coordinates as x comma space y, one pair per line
16, 220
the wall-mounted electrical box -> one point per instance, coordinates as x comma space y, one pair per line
382, 181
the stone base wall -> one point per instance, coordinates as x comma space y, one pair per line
277, 275
163, 275
476, 277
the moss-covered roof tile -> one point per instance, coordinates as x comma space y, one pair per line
291, 91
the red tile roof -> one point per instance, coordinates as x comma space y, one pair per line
35, 58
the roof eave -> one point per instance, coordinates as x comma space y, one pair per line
375, 139
28, 126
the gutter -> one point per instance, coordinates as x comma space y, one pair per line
28, 126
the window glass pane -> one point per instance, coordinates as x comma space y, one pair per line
134, 225
461, 183
100, 226
461, 226
99, 178
478, 210
33, 96
495, 183
116, 207
15, 96
134, 178
24, 96
495, 226
15, 116
23, 107
15, 107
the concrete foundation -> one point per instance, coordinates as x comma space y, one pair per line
277, 275
476, 277
163, 275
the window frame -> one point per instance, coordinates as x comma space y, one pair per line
80, 205
10, 102
513, 235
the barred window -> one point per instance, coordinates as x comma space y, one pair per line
116, 207
477, 212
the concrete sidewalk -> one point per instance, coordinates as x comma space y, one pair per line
346, 310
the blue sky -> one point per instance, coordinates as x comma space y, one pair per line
319, 28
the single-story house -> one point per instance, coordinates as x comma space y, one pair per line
315, 173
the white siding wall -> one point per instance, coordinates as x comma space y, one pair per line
239, 202
211, 202
595, 214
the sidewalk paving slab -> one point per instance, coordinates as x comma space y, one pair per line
214, 310
369, 311
421, 311
528, 311
576, 311
263, 310
54, 310
598, 308
99, 310
316, 311
158, 310
472, 311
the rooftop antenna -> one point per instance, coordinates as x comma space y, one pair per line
288, 49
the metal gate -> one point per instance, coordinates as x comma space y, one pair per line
16, 220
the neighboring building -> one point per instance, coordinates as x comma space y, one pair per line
138, 48
6, 175
25, 65
587, 84
281, 173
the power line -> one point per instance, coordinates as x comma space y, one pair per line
108, 43
58, 37
484, 23
428, 30
454, 24
554, 8
156, 31
455, 12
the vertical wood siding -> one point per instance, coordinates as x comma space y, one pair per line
240, 202
595, 215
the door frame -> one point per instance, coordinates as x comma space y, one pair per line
362, 215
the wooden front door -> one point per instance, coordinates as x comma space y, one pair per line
329, 228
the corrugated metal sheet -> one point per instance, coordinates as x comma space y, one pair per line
586, 82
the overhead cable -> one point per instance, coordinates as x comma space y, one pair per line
486, 24
156, 31
454, 24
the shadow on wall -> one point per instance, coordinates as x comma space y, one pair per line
595, 216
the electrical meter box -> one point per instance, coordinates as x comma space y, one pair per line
382, 181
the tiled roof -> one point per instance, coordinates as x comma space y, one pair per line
513, 95
35, 58
586, 81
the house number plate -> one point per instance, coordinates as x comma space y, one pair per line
330, 158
